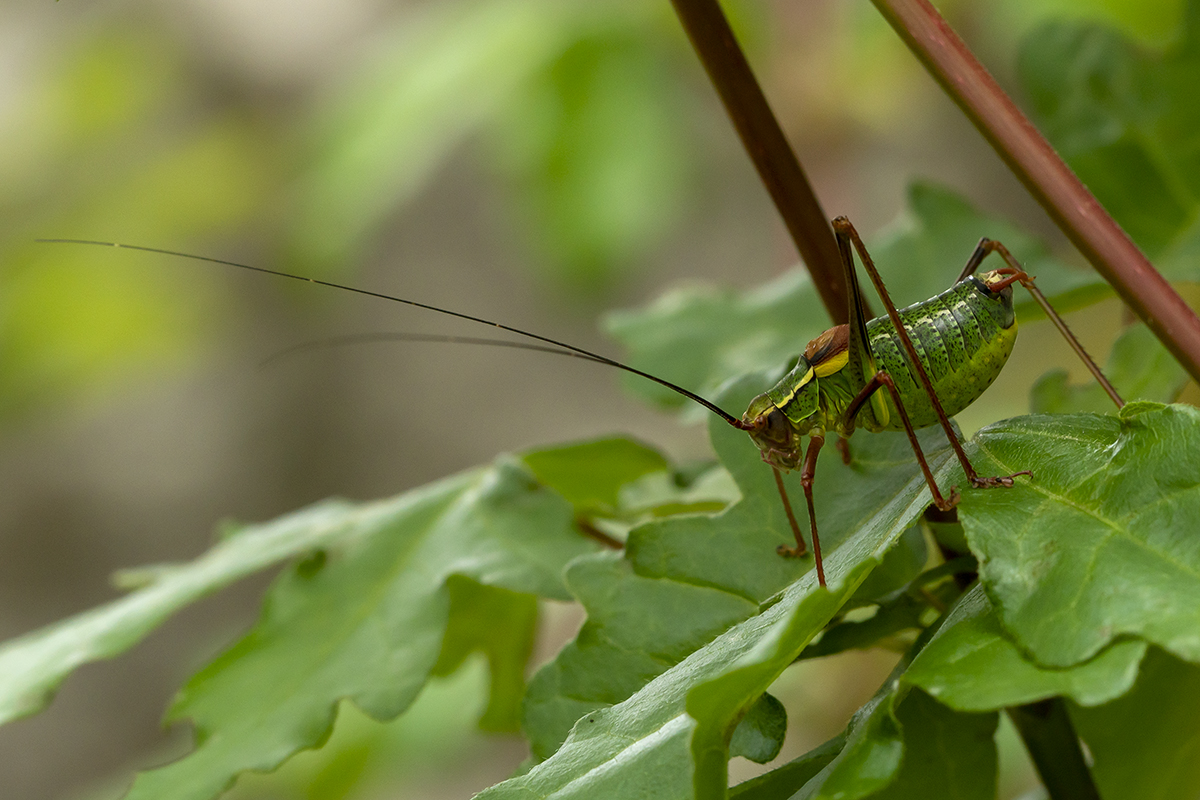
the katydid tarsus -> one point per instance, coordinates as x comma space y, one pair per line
931, 360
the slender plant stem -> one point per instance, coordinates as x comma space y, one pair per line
1050, 738
763, 139
1047, 177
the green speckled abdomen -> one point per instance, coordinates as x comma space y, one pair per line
963, 337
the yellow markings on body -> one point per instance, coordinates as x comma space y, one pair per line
832, 365
800, 384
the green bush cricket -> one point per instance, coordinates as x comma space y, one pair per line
933, 359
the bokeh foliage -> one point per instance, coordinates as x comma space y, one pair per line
694, 622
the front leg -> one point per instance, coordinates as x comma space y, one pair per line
806, 480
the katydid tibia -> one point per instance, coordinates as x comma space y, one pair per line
909, 369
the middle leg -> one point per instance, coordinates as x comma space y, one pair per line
845, 232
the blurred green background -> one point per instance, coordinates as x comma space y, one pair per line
532, 161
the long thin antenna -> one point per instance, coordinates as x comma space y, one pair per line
725, 415
351, 339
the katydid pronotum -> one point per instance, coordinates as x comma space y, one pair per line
932, 359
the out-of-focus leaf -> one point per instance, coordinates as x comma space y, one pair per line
1125, 119
782, 782
443, 70
669, 739
947, 754
600, 146
662, 493
368, 625
106, 87
898, 615
32, 666
902, 614
971, 664
1101, 542
902, 745
699, 338
872, 755
365, 621
501, 623
72, 318
590, 474
1140, 368
1144, 744
759, 734
902, 563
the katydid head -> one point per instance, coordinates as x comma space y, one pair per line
778, 418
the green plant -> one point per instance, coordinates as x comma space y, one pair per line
1087, 576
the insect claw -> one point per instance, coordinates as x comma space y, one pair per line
951, 501
791, 552
1000, 480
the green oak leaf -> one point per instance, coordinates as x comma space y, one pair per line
947, 754
502, 624
782, 782
368, 624
591, 474
677, 647
683, 580
381, 593
1144, 744
32, 666
649, 744
901, 745
972, 664
1101, 543
699, 338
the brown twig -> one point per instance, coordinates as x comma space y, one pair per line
600, 536
763, 139
1047, 177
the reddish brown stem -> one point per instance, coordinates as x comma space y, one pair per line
600, 536
763, 139
1047, 177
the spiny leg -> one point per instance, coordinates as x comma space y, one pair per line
1018, 275
882, 379
845, 231
806, 480
800, 548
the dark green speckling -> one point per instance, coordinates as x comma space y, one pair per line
961, 338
